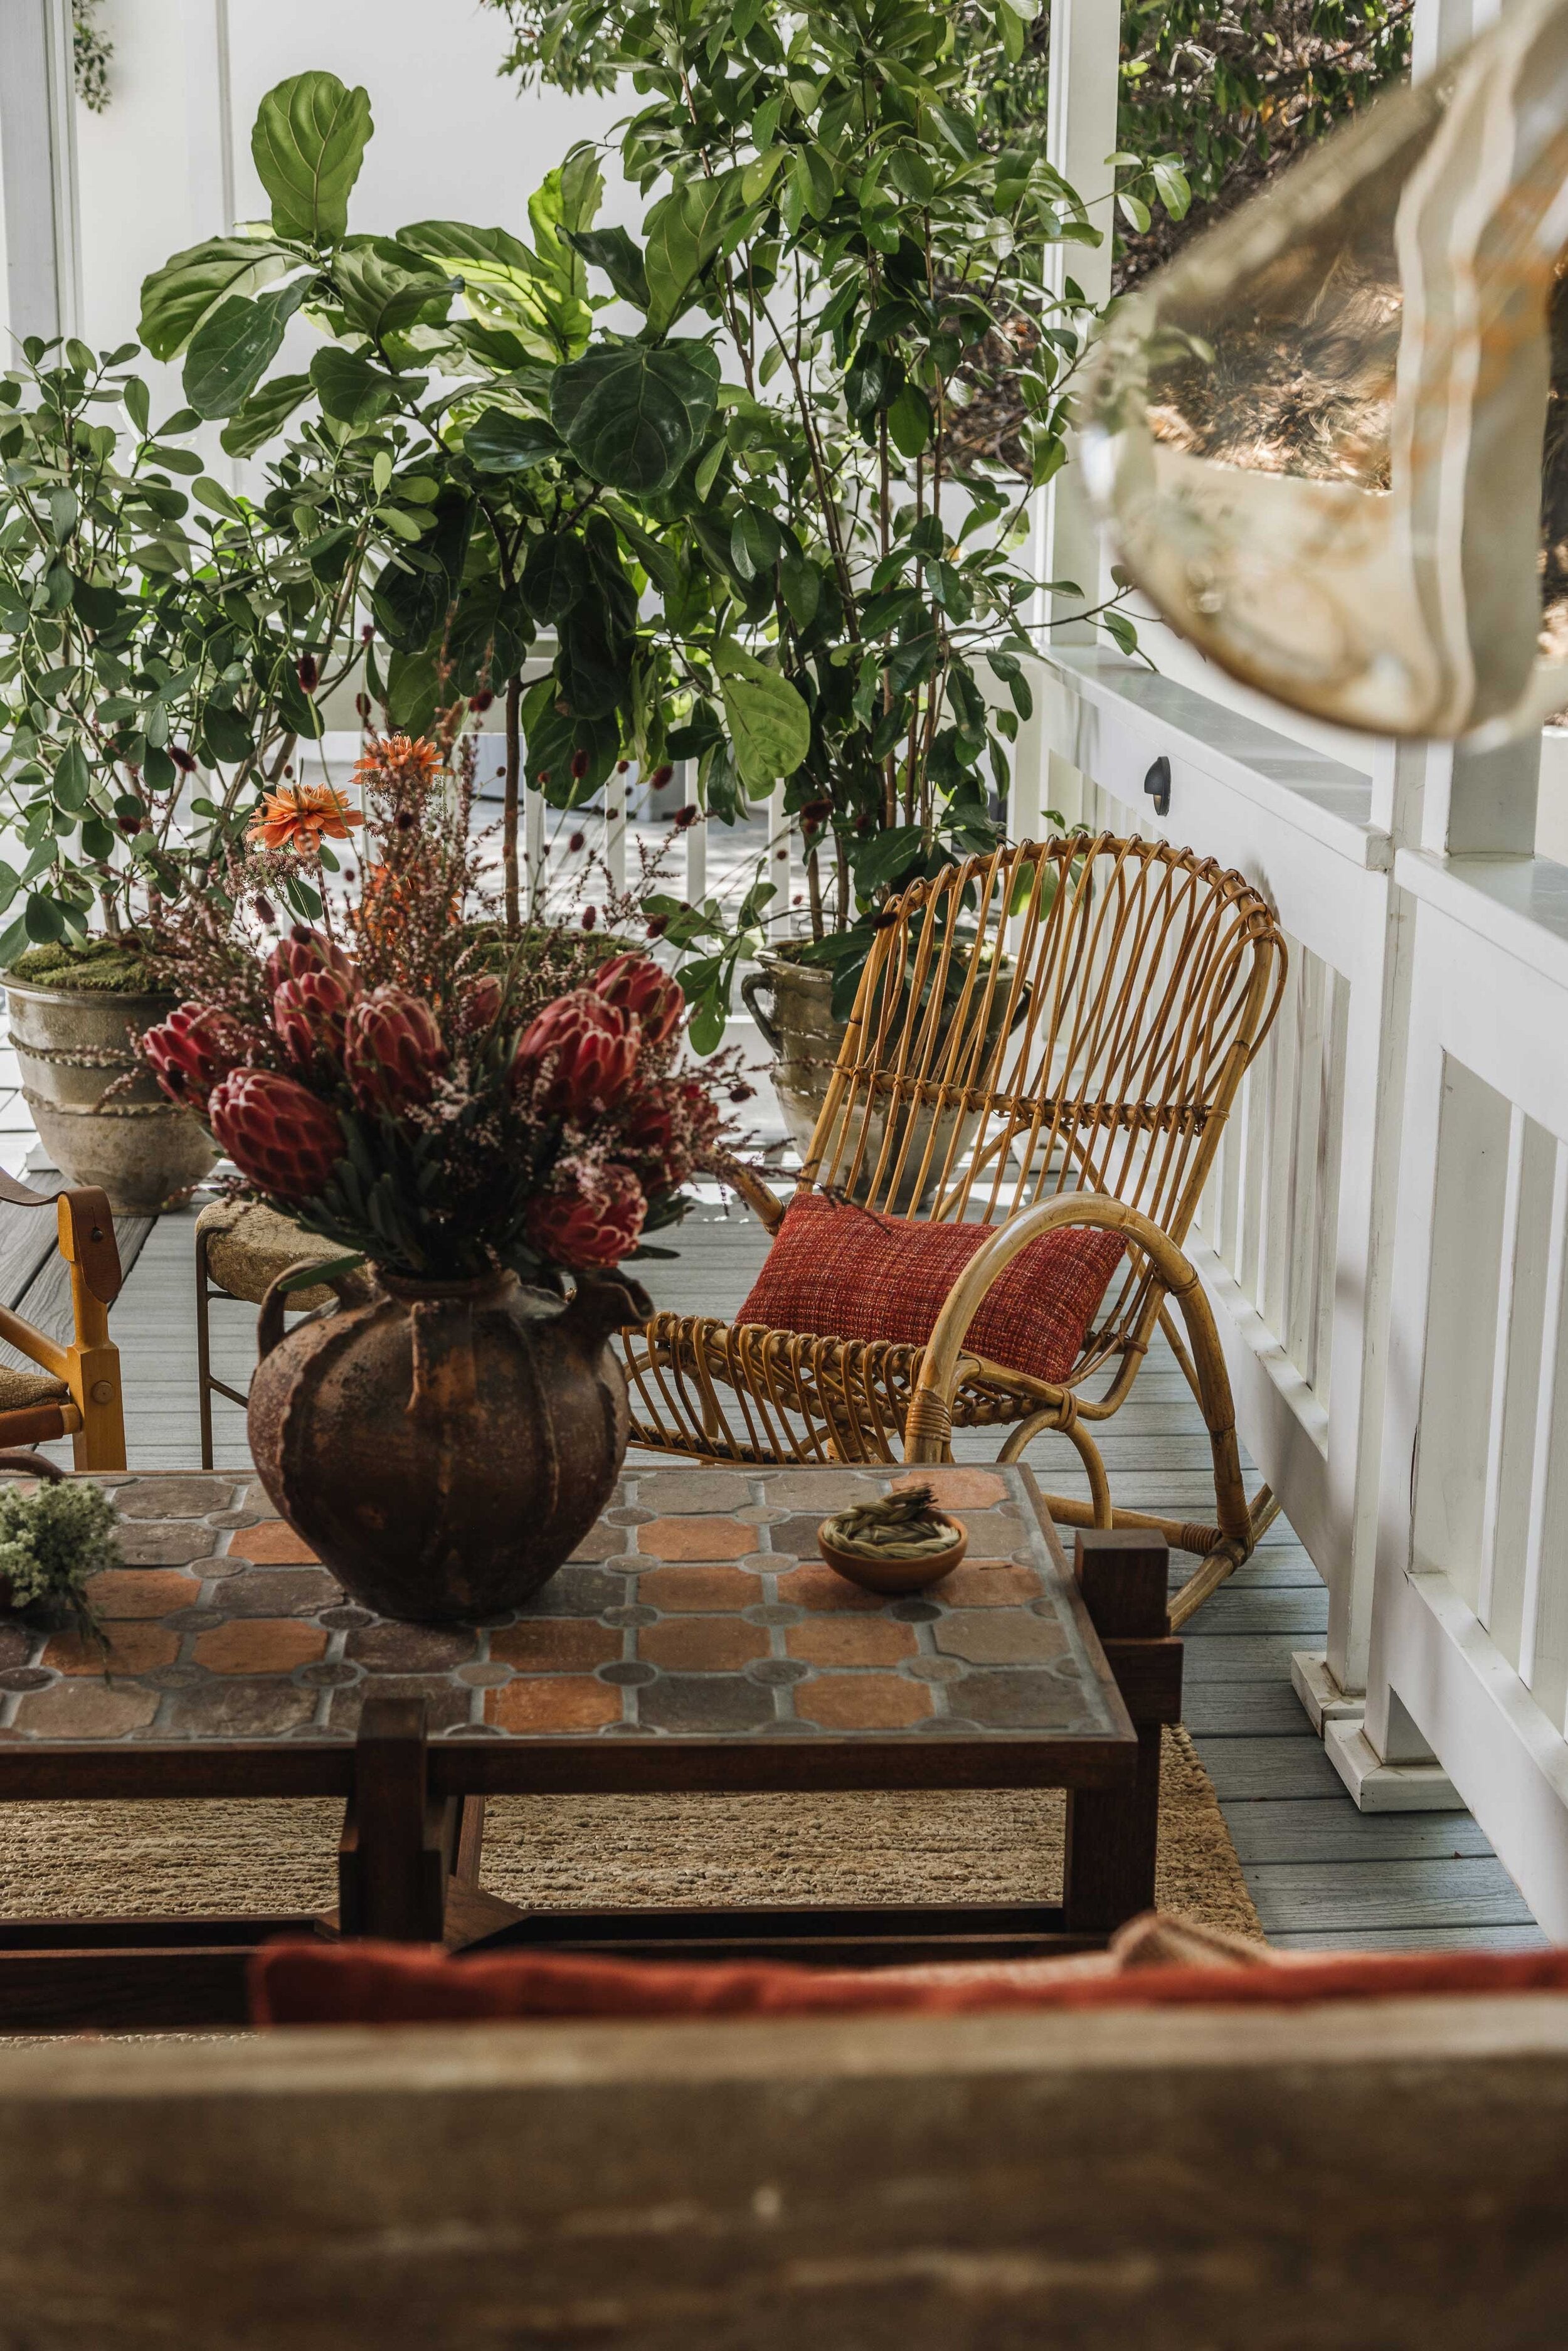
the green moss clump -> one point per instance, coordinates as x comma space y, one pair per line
108, 966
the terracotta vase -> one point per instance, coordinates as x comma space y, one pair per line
444, 1446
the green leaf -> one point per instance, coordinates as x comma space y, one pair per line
886, 855
227, 736
631, 414
611, 250
414, 685
491, 262
72, 779
556, 575
232, 350
100, 608
177, 298
909, 420
44, 920
386, 287
308, 144
683, 232
264, 415
349, 386
497, 442
770, 726
912, 174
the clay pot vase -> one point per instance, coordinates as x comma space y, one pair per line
444, 1446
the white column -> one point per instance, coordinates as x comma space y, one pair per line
209, 118
1081, 134
38, 163
697, 837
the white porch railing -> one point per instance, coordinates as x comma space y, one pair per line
1385, 1235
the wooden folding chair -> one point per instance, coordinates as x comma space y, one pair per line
74, 1391
1050, 1036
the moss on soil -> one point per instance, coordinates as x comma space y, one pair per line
108, 967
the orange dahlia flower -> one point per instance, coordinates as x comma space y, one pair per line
412, 753
301, 816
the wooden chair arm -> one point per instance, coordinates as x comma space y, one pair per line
87, 1230
759, 1197
928, 1426
89, 1365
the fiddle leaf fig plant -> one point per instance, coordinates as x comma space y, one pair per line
456, 385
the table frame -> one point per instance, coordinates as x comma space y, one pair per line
410, 1852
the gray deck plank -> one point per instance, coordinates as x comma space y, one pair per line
1273, 1771
1329, 1898
1290, 1829
1419, 1938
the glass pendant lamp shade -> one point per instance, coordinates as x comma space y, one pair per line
1331, 438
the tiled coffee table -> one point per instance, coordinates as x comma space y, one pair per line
695, 1640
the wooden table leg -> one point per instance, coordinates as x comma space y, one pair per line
392, 1858
1113, 1833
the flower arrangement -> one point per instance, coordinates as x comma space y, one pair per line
52, 1541
407, 1080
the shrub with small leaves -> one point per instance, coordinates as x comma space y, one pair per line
52, 1541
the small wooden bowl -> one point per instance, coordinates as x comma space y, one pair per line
895, 1575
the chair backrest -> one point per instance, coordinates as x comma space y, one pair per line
1073, 1015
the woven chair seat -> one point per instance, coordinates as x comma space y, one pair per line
249, 1245
21, 1387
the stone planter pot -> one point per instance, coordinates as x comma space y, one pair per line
73, 1045
802, 1030
444, 1446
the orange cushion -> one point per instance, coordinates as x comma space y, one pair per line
839, 1271
391, 1984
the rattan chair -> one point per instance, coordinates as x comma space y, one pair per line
1053, 1035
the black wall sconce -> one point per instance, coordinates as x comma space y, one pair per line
1158, 784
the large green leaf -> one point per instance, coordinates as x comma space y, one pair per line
411, 602
495, 267
633, 416
684, 231
611, 250
555, 575
349, 386
770, 726
177, 298
386, 287
413, 686
501, 444
309, 142
267, 412
232, 350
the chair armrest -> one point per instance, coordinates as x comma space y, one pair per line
929, 1425
759, 1197
87, 1230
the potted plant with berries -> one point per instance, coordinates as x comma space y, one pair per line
472, 1137
163, 646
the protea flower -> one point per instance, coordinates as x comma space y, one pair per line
637, 984
305, 950
581, 1053
197, 1045
482, 1001
589, 1225
276, 1131
392, 1051
651, 1133
310, 1014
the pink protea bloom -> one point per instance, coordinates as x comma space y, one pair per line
392, 1051
639, 986
192, 1050
276, 1131
590, 1226
305, 950
581, 1053
310, 1014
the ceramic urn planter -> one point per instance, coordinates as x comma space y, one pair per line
444, 1446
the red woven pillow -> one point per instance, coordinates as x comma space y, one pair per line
388, 1983
842, 1272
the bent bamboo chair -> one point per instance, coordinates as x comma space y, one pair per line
1053, 1035
74, 1391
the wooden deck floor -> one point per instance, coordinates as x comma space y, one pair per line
1322, 1873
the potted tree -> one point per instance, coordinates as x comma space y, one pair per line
162, 647
835, 263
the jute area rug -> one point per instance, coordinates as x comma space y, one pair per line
558, 1852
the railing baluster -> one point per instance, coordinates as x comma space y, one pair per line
1515, 1383
1543, 1631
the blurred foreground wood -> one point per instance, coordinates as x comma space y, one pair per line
1393, 2174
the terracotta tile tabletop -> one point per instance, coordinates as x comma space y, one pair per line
698, 1608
